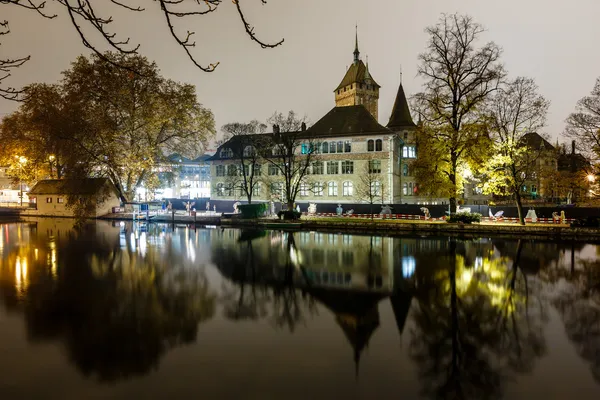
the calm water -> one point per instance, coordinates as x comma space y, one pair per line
126, 312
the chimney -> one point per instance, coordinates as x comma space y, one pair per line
303, 126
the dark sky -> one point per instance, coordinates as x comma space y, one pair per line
554, 42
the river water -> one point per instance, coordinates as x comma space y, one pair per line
122, 311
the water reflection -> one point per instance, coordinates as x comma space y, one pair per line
115, 310
474, 315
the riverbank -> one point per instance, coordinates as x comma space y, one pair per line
497, 229
378, 226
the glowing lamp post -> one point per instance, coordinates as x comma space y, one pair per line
21, 161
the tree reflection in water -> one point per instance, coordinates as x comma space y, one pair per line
474, 325
117, 312
578, 302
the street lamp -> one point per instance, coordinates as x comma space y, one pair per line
21, 161
591, 178
51, 158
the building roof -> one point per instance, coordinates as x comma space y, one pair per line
87, 186
400, 117
535, 140
235, 142
347, 120
357, 73
178, 158
573, 162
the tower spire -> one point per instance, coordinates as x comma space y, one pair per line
356, 52
401, 74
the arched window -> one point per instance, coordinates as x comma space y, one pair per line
404, 169
248, 151
347, 189
370, 145
376, 188
318, 189
325, 148
332, 147
277, 150
226, 153
378, 145
332, 189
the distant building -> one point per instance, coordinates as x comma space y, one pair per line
9, 190
50, 197
184, 178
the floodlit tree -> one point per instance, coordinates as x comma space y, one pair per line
245, 146
459, 76
584, 124
132, 120
515, 110
41, 129
371, 188
290, 153
92, 19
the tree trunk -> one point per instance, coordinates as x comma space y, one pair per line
519, 207
452, 205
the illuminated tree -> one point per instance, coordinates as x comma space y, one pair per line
584, 124
514, 111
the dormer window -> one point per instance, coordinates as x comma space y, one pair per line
248, 151
226, 153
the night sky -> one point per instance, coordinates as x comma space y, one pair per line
553, 42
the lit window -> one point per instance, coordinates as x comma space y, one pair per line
375, 188
48, 199
318, 189
303, 189
409, 152
332, 189
347, 189
60, 200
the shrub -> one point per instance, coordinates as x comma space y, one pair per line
465, 217
250, 211
289, 214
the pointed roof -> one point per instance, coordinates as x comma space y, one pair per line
357, 73
400, 117
347, 120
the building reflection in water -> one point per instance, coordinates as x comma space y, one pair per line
120, 296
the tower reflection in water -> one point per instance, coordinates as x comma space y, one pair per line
473, 312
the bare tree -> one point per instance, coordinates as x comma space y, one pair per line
515, 110
91, 20
459, 76
584, 124
247, 139
370, 188
290, 152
